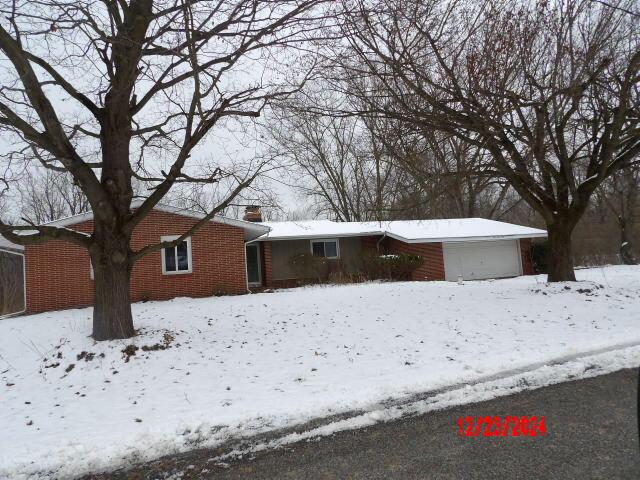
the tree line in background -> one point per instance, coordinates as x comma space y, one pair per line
371, 109
470, 108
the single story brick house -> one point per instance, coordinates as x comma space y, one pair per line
229, 256
473, 248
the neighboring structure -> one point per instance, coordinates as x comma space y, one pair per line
473, 248
12, 293
229, 256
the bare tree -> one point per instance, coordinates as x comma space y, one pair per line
203, 198
360, 167
97, 89
549, 89
50, 195
621, 194
450, 176
332, 161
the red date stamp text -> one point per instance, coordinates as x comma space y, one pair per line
508, 426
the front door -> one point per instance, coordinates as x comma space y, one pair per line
254, 272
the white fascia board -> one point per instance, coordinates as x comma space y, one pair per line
72, 220
267, 238
486, 238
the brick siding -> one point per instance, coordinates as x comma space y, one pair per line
525, 252
59, 273
433, 266
267, 277
371, 242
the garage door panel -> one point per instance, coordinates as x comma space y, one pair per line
481, 260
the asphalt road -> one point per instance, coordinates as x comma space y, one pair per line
591, 434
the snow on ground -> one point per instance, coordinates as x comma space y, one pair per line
207, 370
579, 368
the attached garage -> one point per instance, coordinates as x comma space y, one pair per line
475, 248
482, 260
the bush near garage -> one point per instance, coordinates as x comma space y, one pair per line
390, 267
313, 268
539, 256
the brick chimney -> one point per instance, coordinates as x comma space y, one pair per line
252, 214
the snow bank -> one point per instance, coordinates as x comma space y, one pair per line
207, 370
578, 368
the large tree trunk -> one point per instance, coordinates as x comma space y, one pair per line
560, 261
112, 317
626, 246
626, 219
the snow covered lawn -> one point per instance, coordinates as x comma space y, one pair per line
209, 369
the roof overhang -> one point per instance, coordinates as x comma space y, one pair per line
486, 238
269, 238
7, 246
479, 238
252, 230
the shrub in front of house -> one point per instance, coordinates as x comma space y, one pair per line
312, 268
390, 267
345, 278
221, 289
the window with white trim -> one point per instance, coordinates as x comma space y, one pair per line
326, 247
177, 260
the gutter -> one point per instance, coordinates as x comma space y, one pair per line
24, 283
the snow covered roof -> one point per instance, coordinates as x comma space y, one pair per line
319, 228
409, 231
458, 229
252, 230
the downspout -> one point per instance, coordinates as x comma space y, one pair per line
384, 235
24, 283
246, 273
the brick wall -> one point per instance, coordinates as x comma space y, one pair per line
267, 276
59, 273
525, 252
433, 266
371, 243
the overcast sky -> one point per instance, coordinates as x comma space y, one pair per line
227, 144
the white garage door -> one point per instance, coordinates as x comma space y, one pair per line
479, 260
